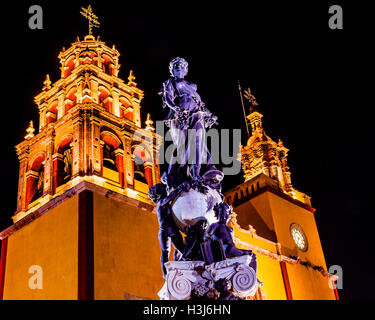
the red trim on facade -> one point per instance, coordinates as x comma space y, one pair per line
336, 294
288, 289
3, 259
86, 246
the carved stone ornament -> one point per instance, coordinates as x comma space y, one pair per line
193, 278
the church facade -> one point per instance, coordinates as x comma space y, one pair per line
84, 220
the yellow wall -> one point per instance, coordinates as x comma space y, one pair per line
269, 272
306, 283
50, 242
127, 253
126, 249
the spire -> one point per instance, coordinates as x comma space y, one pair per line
149, 123
30, 131
255, 117
262, 155
47, 83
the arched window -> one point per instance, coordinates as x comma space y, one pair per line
105, 99
127, 111
69, 66
35, 180
62, 162
71, 100
142, 166
51, 114
112, 158
108, 65
109, 157
39, 183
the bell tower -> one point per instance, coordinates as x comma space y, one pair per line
277, 221
83, 214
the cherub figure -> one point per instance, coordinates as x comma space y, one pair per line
221, 231
168, 230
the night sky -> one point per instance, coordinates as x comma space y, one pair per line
308, 81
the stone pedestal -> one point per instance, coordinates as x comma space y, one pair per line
231, 279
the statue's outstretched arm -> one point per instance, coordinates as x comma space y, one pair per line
183, 187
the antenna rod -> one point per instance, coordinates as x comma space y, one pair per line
243, 108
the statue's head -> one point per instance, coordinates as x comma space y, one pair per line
223, 211
178, 68
157, 192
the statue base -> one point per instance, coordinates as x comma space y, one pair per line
230, 279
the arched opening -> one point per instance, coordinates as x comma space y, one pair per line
127, 111
105, 99
112, 158
51, 114
35, 181
63, 161
71, 100
69, 66
108, 65
142, 162
109, 157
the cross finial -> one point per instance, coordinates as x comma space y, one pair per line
131, 79
30, 131
47, 83
252, 100
149, 123
93, 19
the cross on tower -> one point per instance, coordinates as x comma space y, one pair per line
93, 19
252, 100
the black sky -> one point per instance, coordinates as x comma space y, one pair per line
308, 80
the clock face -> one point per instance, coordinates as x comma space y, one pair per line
298, 236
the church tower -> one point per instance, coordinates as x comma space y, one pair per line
277, 221
83, 219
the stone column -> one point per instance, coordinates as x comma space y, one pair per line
128, 162
48, 166
97, 149
148, 173
78, 144
60, 105
116, 101
120, 165
21, 200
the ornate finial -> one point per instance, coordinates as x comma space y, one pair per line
252, 100
149, 123
93, 19
131, 79
47, 83
30, 131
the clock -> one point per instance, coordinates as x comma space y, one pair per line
299, 237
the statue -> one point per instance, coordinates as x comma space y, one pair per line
187, 112
168, 230
207, 264
221, 231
